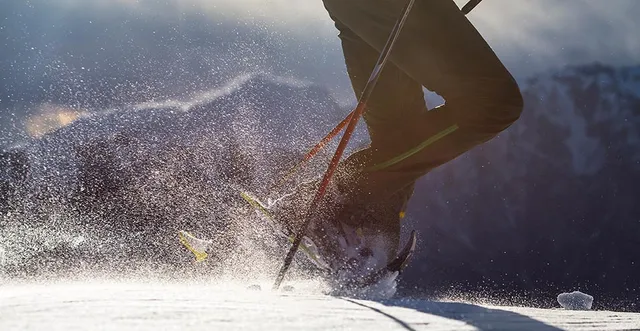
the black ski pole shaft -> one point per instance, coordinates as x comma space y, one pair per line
466, 9
366, 94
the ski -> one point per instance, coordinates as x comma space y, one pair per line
396, 265
195, 245
307, 246
402, 260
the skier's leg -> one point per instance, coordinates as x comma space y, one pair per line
399, 101
441, 50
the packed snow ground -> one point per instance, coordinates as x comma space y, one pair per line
232, 306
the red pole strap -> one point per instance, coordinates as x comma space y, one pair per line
317, 148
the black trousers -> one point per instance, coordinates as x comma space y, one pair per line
440, 50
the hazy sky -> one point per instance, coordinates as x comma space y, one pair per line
103, 53
527, 33
530, 35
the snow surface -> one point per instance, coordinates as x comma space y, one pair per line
231, 306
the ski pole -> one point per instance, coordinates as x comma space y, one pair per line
466, 9
317, 148
353, 120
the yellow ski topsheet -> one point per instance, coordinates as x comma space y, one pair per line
291, 237
199, 246
196, 246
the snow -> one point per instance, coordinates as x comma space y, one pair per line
575, 300
254, 287
288, 288
230, 306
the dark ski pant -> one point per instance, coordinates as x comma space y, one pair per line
440, 50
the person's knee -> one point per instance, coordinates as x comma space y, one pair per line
333, 6
351, 10
496, 108
513, 104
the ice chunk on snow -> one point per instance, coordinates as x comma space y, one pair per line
575, 300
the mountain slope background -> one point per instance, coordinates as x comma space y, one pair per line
550, 204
